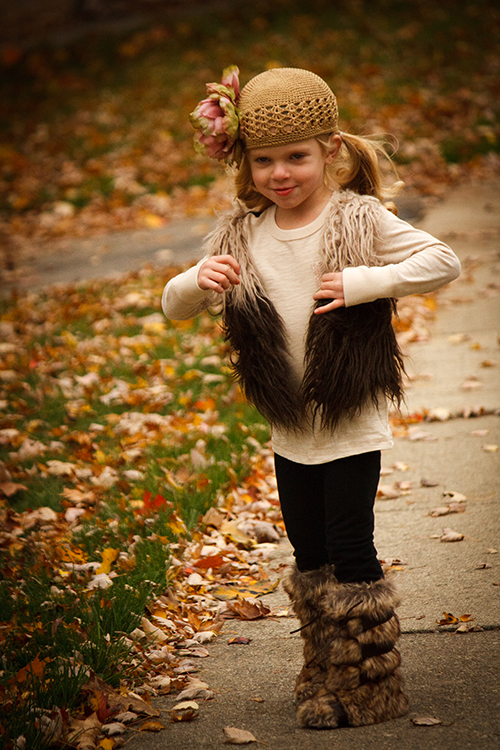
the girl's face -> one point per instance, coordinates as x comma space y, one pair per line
292, 176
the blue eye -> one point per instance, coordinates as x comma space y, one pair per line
297, 156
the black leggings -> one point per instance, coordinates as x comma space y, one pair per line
328, 514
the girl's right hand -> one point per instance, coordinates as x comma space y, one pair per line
219, 273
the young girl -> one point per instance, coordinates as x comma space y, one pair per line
306, 269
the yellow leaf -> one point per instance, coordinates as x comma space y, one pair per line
108, 555
71, 554
107, 744
176, 524
229, 529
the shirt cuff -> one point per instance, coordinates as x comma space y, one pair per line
366, 284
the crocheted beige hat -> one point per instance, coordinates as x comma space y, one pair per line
283, 105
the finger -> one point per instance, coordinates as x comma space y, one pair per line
330, 306
224, 269
328, 294
228, 260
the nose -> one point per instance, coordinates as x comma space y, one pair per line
280, 171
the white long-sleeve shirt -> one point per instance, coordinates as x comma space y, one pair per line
289, 265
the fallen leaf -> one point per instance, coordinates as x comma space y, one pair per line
211, 561
236, 736
184, 711
483, 566
456, 497
151, 725
61, 468
490, 448
428, 483
469, 627
400, 466
442, 510
116, 727
448, 619
108, 555
213, 517
84, 732
10, 488
449, 535
195, 689
257, 588
245, 609
230, 530
205, 636
240, 640
152, 631
426, 721
386, 492
471, 385
445, 510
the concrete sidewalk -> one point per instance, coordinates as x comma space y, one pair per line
451, 676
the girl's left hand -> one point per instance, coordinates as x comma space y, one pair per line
332, 286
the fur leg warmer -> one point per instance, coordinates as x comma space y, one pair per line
351, 673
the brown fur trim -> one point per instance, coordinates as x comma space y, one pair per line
375, 701
370, 670
260, 361
380, 666
352, 359
356, 600
322, 712
307, 590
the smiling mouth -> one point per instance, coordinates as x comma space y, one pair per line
283, 191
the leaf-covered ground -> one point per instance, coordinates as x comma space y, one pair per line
119, 432
95, 136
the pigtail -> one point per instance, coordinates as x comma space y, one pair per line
363, 165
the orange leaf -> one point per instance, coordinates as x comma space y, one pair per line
34, 669
449, 619
212, 561
151, 726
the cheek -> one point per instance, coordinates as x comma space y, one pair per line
257, 176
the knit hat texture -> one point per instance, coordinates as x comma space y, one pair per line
283, 105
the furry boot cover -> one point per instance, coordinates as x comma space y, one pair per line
351, 673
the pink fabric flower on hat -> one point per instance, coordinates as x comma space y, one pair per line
217, 119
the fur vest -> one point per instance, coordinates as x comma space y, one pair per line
352, 356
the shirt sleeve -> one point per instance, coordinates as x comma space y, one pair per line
183, 299
414, 262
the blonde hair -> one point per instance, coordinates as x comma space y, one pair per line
362, 165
